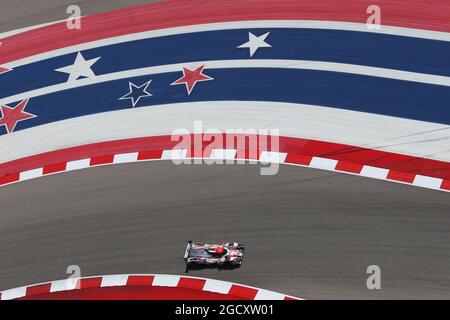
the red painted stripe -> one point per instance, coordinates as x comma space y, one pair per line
401, 176
140, 280
364, 156
298, 159
9, 178
299, 151
38, 289
191, 283
149, 155
349, 167
242, 292
289, 298
52, 168
138, 287
86, 151
419, 14
101, 160
133, 293
445, 185
90, 283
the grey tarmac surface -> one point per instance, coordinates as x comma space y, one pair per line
15, 14
309, 233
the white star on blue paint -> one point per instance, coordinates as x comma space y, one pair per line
137, 92
255, 42
80, 68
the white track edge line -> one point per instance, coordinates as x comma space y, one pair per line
432, 186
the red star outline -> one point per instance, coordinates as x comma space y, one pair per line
191, 77
12, 115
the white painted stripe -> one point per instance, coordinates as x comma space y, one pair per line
174, 154
64, 285
308, 24
217, 286
323, 163
114, 280
125, 157
374, 172
29, 28
268, 295
24, 29
272, 157
384, 133
166, 280
293, 298
78, 164
427, 182
30, 174
223, 154
228, 64
14, 293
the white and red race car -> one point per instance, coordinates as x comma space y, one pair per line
227, 253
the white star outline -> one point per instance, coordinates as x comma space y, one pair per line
131, 86
255, 42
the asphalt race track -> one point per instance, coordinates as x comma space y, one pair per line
25, 13
308, 232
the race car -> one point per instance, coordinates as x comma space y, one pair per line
227, 253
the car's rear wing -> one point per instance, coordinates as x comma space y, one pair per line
188, 249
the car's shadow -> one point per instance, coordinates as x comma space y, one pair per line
220, 268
